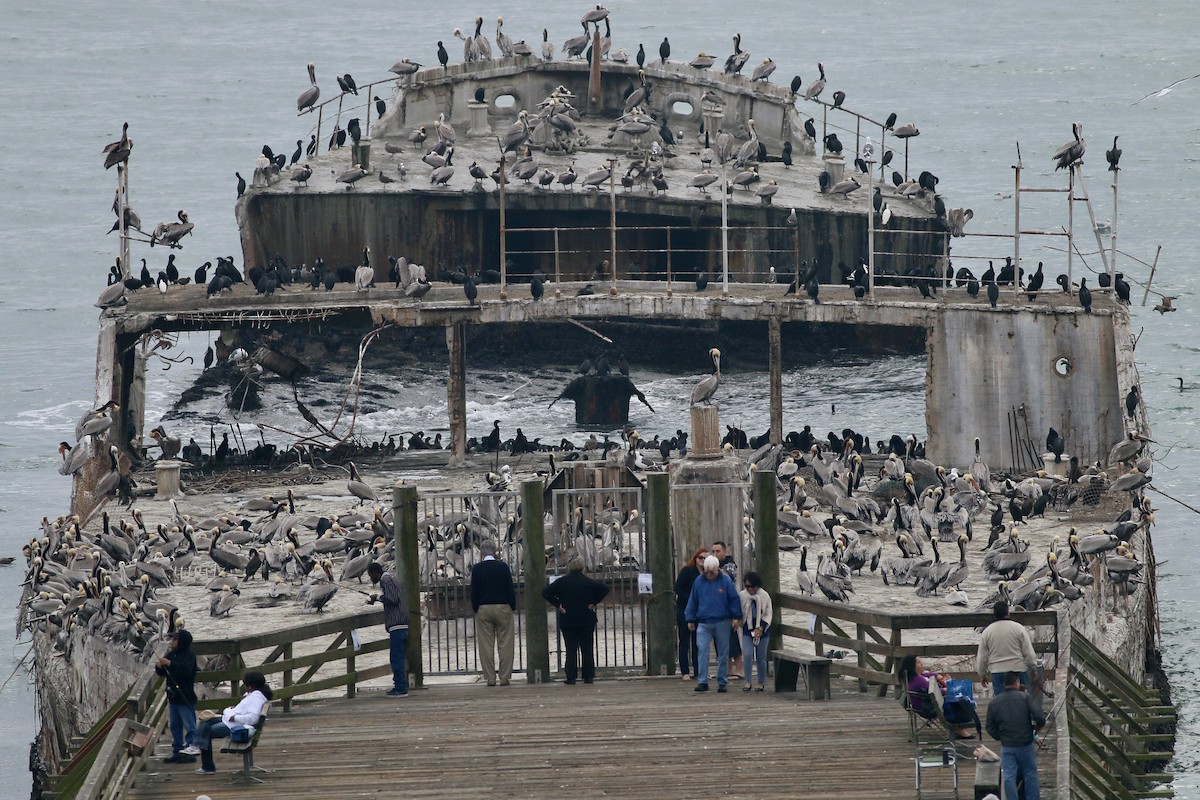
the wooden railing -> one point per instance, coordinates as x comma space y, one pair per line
1113, 722
117, 748
282, 662
876, 638
106, 766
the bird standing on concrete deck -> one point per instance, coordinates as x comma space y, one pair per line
309, 96
763, 71
1085, 296
705, 389
359, 489
470, 290
993, 293
664, 50
735, 62
1055, 444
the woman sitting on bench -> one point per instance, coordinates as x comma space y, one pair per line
248, 712
958, 711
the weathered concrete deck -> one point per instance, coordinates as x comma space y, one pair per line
645, 738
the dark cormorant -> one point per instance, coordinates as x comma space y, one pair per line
1085, 296
664, 50
241, 184
993, 293
1131, 402
1055, 444
443, 56
470, 290
641, 55
786, 157
1035, 282
1114, 156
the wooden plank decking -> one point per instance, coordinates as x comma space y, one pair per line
633, 738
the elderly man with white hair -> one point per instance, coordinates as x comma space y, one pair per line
714, 611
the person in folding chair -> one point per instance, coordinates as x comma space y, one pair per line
958, 705
248, 712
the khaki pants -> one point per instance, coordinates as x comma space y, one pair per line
492, 623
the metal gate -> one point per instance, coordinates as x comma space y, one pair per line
605, 528
450, 528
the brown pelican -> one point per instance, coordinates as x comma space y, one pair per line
594, 15
351, 175
844, 187
906, 131
223, 602
596, 178
763, 71
503, 43
816, 87
703, 180
547, 46
118, 152
405, 67
767, 191
309, 96
705, 389
749, 150
517, 134
483, 48
302, 173
444, 130
1072, 151
359, 489
803, 579
702, 61
576, 44
735, 62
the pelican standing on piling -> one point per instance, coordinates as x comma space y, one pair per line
705, 389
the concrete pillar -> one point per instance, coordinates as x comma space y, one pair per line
361, 154
776, 379
766, 544
404, 530
166, 479
456, 391
660, 608
835, 165
477, 119
537, 632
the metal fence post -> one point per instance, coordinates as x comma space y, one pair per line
404, 518
660, 610
766, 545
537, 642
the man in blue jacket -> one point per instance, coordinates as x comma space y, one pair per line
713, 611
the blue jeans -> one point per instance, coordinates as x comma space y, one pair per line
183, 726
399, 647
1023, 760
755, 658
998, 681
209, 729
706, 634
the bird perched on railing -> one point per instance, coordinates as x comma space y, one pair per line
309, 96
1072, 151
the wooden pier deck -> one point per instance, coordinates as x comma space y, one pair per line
631, 738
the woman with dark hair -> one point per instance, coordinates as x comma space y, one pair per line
248, 712
958, 712
683, 590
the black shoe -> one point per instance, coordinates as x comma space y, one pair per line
569, 681
701, 687
175, 759
721, 689
746, 688
585, 680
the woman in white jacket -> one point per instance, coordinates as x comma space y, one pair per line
756, 620
248, 712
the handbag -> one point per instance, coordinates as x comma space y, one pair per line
240, 734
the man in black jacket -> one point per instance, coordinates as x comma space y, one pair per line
493, 599
395, 621
1012, 718
575, 595
178, 666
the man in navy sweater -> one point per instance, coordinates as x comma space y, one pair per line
1012, 718
493, 599
713, 611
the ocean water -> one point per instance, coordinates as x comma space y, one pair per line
205, 84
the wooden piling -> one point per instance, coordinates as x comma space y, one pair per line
776, 379
706, 432
456, 391
404, 521
660, 608
766, 546
537, 642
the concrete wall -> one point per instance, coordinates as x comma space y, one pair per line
982, 365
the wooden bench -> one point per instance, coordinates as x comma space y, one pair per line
788, 666
246, 774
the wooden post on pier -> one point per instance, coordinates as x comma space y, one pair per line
537, 642
595, 100
706, 432
456, 391
766, 545
776, 378
404, 530
660, 608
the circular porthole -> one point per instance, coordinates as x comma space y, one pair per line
682, 107
1063, 366
506, 101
